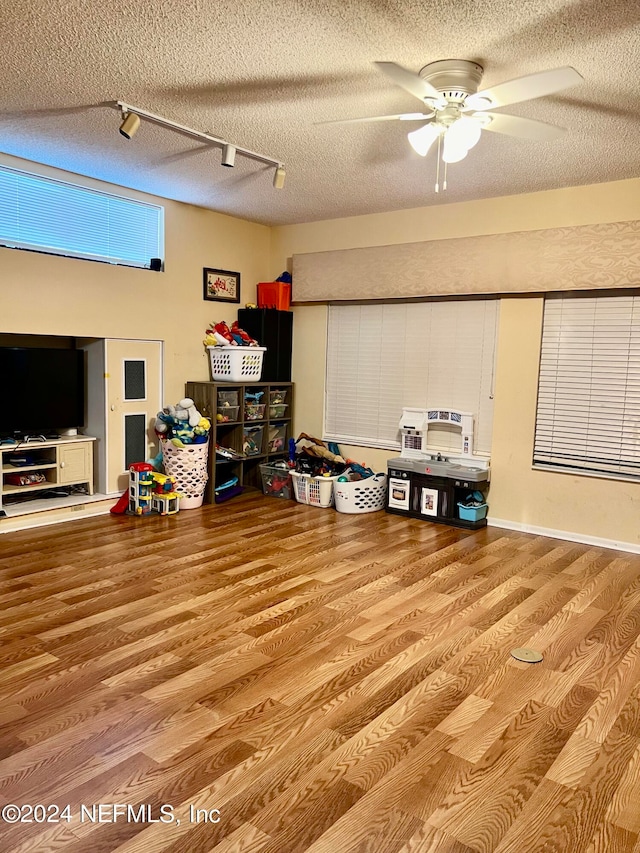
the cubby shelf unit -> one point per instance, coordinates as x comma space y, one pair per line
231, 434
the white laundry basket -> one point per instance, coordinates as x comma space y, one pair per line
236, 364
368, 495
315, 491
188, 465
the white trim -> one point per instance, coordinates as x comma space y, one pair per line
569, 536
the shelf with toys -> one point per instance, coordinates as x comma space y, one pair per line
250, 419
250, 425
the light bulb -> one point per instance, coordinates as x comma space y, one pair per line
422, 139
461, 136
452, 150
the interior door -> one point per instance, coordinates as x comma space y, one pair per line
134, 396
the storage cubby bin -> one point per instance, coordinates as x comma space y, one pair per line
227, 413
227, 398
252, 440
254, 411
278, 410
276, 481
277, 438
278, 396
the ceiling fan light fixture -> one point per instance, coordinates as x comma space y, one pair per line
452, 153
422, 139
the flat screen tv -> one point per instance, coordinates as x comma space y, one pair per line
42, 390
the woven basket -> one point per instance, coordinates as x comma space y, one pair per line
188, 465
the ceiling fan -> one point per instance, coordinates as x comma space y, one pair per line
458, 112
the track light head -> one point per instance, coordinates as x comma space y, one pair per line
228, 155
278, 178
130, 125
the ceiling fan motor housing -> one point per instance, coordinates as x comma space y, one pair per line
455, 78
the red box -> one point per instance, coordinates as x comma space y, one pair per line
274, 294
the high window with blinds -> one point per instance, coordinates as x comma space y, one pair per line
588, 413
58, 218
382, 358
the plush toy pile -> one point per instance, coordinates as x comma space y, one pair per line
221, 335
182, 424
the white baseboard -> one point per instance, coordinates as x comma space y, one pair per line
568, 535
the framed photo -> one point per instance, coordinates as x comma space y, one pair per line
220, 285
429, 502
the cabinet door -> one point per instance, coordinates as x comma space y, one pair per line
74, 463
133, 372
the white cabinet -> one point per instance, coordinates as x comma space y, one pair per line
57, 462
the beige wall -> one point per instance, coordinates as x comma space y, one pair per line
520, 496
45, 294
42, 294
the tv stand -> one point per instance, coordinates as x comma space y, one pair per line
63, 462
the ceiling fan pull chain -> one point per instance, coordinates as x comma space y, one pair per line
437, 187
444, 184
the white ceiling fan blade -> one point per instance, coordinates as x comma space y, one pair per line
524, 128
524, 88
400, 117
410, 82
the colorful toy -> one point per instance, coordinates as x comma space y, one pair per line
219, 334
149, 491
182, 424
140, 488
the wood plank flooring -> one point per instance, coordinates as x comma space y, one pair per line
267, 677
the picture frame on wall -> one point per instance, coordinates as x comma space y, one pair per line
220, 285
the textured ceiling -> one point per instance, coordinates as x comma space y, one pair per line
261, 74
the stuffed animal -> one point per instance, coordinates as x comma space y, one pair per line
183, 424
192, 414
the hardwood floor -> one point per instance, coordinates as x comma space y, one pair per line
329, 683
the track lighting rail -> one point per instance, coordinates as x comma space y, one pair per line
130, 126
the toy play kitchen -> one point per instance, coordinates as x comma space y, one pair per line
424, 484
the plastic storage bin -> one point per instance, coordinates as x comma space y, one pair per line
277, 397
278, 410
274, 294
276, 481
472, 513
315, 491
252, 440
254, 411
236, 364
368, 495
277, 438
227, 413
227, 398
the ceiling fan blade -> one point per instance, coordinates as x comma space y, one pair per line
524, 128
524, 88
400, 117
410, 82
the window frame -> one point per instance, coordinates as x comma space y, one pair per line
67, 250
588, 399
414, 391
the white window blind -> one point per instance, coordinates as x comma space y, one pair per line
588, 414
384, 357
59, 218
